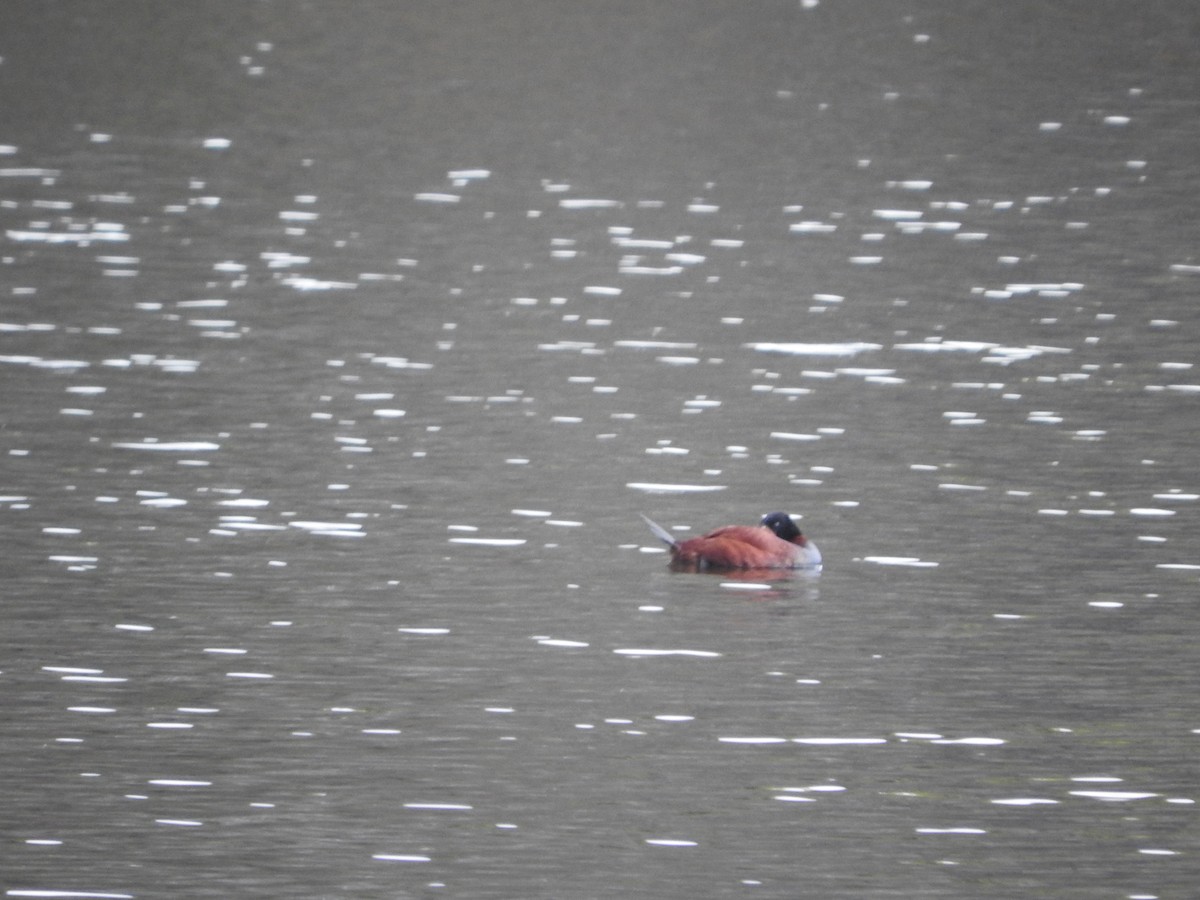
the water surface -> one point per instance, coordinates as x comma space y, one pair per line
339, 355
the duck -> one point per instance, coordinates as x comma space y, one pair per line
774, 543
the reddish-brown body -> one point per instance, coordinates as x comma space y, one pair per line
773, 544
737, 547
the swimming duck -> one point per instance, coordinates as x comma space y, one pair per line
774, 543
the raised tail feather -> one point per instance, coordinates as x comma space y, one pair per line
659, 532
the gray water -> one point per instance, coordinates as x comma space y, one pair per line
342, 344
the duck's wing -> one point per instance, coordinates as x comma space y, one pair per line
756, 536
736, 547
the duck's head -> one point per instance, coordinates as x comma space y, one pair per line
783, 526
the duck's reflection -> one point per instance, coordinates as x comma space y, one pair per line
761, 583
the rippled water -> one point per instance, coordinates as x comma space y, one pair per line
339, 355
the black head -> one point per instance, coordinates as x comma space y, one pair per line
782, 524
